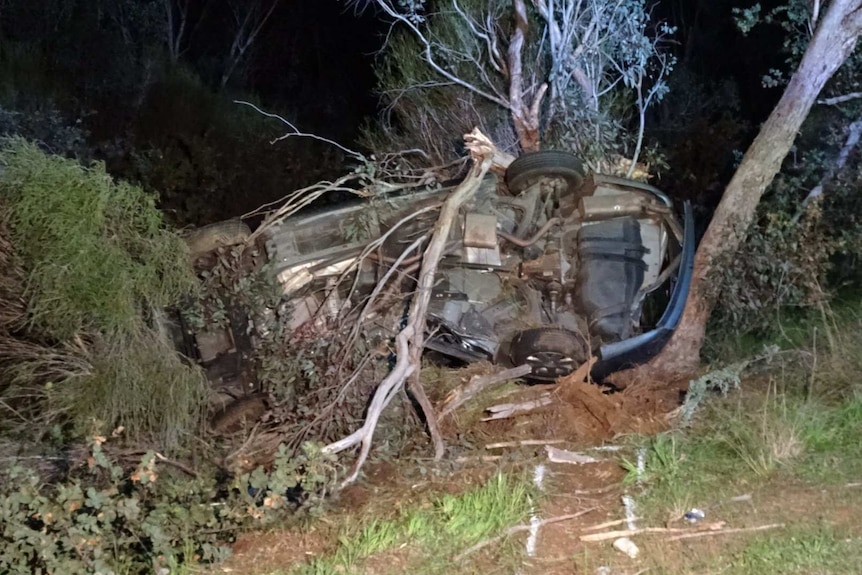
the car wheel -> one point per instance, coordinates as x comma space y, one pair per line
550, 352
528, 169
208, 238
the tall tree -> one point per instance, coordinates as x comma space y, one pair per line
248, 17
553, 67
833, 41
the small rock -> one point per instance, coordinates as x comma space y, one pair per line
627, 546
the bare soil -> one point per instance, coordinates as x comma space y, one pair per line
582, 415
589, 414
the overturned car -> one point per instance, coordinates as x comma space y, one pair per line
547, 267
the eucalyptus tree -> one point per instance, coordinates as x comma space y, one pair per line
835, 28
573, 73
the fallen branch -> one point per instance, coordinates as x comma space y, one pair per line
519, 528
607, 524
409, 341
418, 392
726, 531
184, 468
840, 99
564, 456
506, 410
632, 532
478, 383
854, 131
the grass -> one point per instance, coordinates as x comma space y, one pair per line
750, 440
803, 550
802, 422
789, 440
427, 537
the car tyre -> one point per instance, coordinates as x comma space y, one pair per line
551, 353
529, 168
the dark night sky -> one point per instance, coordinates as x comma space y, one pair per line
320, 54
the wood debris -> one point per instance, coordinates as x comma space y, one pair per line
505, 410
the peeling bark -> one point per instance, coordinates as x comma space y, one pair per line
525, 116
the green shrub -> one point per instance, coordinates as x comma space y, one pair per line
107, 520
96, 250
98, 266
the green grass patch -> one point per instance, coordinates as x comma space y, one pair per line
801, 421
429, 536
802, 550
745, 441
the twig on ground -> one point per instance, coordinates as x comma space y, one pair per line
519, 528
593, 537
607, 524
523, 443
726, 531
177, 464
252, 435
506, 410
564, 456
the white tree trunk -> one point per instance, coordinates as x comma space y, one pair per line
832, 43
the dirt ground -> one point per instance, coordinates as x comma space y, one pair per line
590, 414
593, 490
581, 415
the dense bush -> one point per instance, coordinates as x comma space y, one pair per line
782, 266
109, 520
96, 266
97, 250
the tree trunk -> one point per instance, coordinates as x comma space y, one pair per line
525, 117
832, 43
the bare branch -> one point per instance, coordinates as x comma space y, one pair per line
413, 333
518, 528
428, 55
840, 99
296, 133
854, 132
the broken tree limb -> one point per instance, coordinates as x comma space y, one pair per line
564, 456
506, 410
725, 531
854, 131
410, 340
518, 528
594, 537
607, 524
415, 388
478, 383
